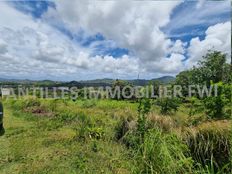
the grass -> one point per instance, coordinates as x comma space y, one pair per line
88, 136
35, 144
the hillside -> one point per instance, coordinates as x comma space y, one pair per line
84, 83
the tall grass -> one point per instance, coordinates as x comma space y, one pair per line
210, 145
163, 153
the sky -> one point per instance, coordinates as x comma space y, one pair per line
93, 39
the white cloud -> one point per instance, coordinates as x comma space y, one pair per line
178, 47
218, 37
201, 13
32, 48
37, 50
134, 25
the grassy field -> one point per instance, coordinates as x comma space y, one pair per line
88, 136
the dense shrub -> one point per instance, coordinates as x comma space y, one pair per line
195, 105
214, 105
168, 105
123, 127
31, 102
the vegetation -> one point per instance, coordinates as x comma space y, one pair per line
168, 135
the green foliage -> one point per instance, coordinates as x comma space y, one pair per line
96, 133
86, 129
31, 102
195, 106
89, 103
184, 79
123, 127
143, 109
168, 106
66, 117
213, 68
214, 105
163, 153
105, 137
118, 87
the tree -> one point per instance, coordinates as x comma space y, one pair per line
123, 88
168, 106
213, 68
184, 80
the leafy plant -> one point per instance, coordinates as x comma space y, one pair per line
195, 106
168, 105
143, 109
214, 105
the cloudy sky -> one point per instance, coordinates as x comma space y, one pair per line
81, 39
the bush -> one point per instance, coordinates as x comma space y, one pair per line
214, 105
195, 106
31, 103
168, 105
123, 127
86, 129
66, 117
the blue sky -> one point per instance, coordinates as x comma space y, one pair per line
190, 30
80, 40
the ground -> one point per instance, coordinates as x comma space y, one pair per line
47, 136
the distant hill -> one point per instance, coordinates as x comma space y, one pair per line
165, 79
136, 82
84, 83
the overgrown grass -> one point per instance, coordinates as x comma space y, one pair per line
89, 136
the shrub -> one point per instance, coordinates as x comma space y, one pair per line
124, 126
214, 105
168, 105
31, 103
84, 123
53, 105
136, 136
66, 117
143, 109
195, 106
86, 129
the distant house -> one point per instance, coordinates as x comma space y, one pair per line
5, 92
63, 88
